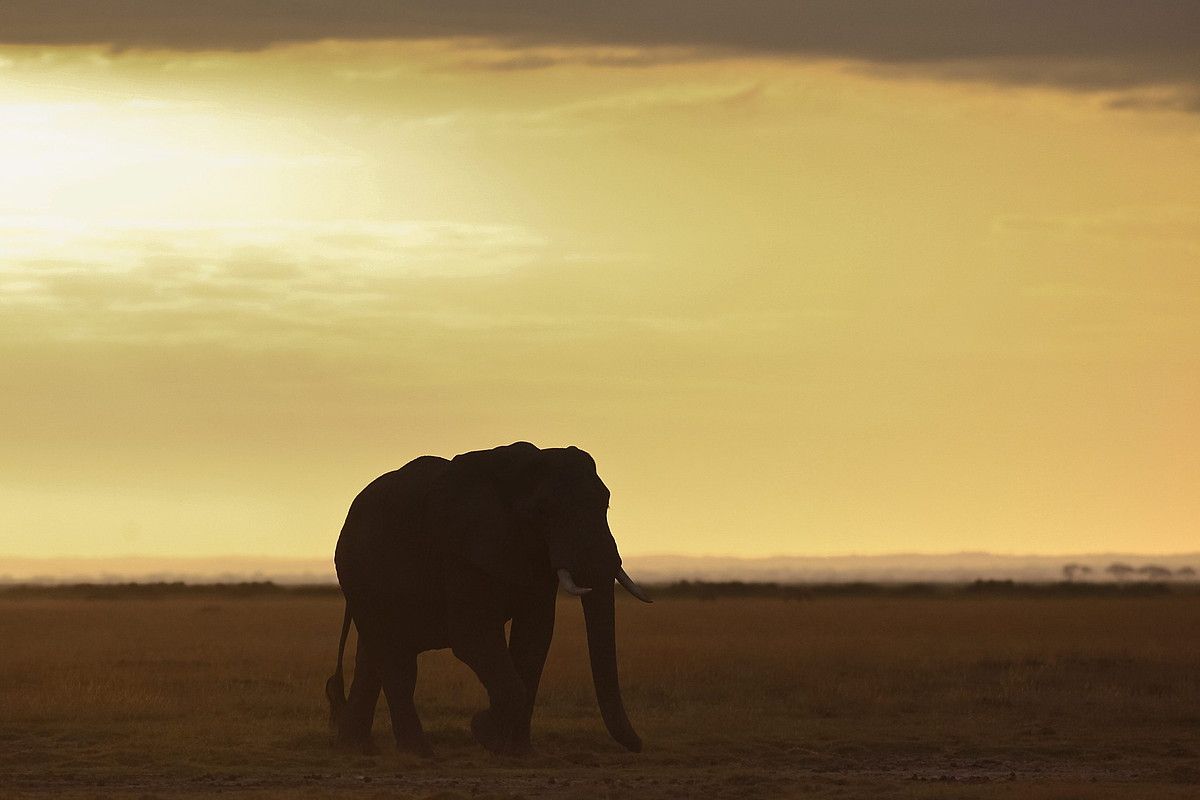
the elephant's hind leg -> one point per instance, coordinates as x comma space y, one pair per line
355, 718
399, 683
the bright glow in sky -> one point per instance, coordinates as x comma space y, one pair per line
789, 304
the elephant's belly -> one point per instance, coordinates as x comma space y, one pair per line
432, 643
417, 622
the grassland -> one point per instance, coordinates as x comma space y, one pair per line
858, 694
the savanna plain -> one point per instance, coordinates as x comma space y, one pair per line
840, 695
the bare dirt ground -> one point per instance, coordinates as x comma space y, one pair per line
833, 697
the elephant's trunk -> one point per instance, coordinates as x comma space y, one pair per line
598, 613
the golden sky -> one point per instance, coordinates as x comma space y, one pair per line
862, 295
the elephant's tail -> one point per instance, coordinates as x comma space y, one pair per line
335, 687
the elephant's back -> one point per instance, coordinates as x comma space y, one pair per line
388, 514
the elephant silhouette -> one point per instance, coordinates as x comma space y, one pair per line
443, 553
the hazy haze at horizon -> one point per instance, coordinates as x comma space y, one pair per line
651, 568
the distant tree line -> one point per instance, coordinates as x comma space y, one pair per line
698, 590
1121, 571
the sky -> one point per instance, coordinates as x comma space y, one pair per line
809, 278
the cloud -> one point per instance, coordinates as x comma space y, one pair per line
1187, 101
221, 281
351, 289
1165, 226
526, 58
1075, 44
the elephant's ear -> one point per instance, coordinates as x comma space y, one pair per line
474, 510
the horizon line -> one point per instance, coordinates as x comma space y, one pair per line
656, 554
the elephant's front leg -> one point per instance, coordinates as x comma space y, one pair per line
475, 626
528, 644
486, 653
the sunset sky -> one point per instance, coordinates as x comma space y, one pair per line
811, 278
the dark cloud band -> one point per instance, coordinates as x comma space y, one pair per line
1114, 42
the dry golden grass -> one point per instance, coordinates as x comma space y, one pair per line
827, 698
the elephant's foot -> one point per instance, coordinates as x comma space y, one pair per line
416, 745
485, 731
495, 737
354, 733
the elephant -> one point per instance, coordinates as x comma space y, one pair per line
443, 553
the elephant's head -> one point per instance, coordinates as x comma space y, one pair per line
528, 516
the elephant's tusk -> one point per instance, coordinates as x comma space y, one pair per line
631, 586
568, 583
